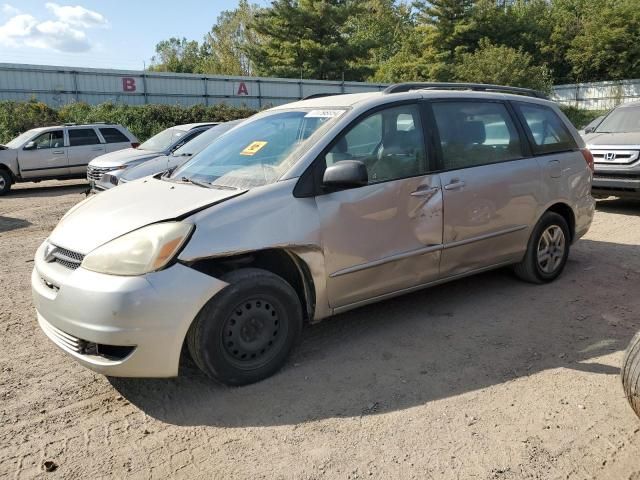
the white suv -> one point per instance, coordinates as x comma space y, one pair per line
58, 152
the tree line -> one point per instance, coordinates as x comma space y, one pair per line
529, 43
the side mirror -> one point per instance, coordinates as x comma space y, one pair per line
30, 146
589, 129
346, 174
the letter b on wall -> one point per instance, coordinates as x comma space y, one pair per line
128, 84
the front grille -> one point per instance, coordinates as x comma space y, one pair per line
615, 157
67, 258
64, 339
615, 176
85, 347
95, 173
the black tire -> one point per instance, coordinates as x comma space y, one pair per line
245, 333
630, 373
5, 182
530, 269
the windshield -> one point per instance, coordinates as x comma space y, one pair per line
20, 139
163, 140
203, 140
258, 151
625, 119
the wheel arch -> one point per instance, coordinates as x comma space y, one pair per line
565, 211
6, 168
279, 261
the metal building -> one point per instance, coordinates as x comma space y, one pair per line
57, 86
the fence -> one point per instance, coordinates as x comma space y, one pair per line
58, 86
597, 95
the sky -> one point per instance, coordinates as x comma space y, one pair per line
100, 33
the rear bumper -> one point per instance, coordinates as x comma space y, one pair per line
139, 322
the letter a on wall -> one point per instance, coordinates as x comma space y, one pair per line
128, 84
242, 89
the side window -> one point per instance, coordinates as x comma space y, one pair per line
389, 142
113, 135
54, 139
83, 136
476, 133
187, 138
547, 129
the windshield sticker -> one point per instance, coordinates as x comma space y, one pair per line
253, 148
324, 113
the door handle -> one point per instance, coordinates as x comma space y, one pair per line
425, 192
58, 152
454, 185
98, 149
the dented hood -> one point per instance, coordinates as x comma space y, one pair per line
101, 218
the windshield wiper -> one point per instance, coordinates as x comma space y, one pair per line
196, 182
222, 187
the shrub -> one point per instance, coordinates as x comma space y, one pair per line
17, 117
581, 118
143, 121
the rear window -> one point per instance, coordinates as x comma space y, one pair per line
548, 132
476, 133
113, 135
83, 136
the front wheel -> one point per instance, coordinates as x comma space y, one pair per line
5, 182
245, 332
630, 373
547, 250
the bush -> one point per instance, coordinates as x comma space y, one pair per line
502, 65
581, 118
143, 121
17, 117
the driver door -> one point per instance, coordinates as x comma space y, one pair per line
386, 236
47, 158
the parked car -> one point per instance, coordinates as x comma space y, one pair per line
615, 145
163, 143
167, 162
630, 373
591, 126
58, 152
307, 210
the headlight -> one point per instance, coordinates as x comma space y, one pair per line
141, 251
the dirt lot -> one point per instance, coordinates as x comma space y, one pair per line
486, 377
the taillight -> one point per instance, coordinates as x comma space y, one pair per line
135, 144
588, 157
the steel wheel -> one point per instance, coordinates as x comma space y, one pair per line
551, 249
253, 333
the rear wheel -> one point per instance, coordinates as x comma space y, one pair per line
630, 373
246, 331
5, 182
547, 251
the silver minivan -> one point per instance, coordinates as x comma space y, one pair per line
306, 210
59, 152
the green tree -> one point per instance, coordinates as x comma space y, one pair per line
224, 50
176, 55
607, 47
307, 38
502, 65
380, 32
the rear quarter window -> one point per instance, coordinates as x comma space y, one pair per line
113, 135
83, 136
547, 131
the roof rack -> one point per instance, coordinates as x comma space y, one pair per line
320, 95
478, 87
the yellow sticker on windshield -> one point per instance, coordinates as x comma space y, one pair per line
253, 148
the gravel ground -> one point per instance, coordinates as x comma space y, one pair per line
485, 377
